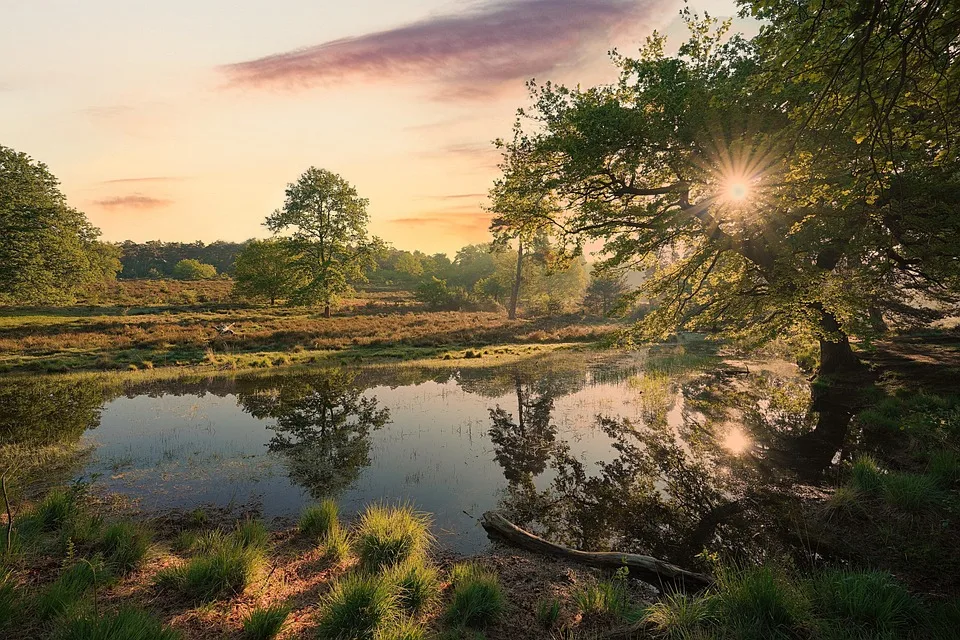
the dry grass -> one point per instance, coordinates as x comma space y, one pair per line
164, 334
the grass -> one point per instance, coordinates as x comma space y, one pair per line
760, 602
265, 623
388, 536
53, 512
548, 611
319, 520
417, 585
404, 630
70, 588
357, 607
865, 604
477, 599
124, 546
9, 599
220, 572
605, 598
251, 534
337, 546
679, 616
125, 624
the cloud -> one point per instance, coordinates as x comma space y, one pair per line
472, 224
470, 55
150, 179
133, 201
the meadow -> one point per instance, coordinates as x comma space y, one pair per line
143, 324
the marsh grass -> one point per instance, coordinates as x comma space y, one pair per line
477, 598
265, 623
405, 629
604, 598
125, 624
417, 585
251, 533
548, 611
388, 536
216, 573
124, 546
70, 588
319, 520
357, 607
867, 604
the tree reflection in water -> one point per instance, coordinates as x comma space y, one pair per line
322, 426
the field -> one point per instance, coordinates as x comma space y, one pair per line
156, 323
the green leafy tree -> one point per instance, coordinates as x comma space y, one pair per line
328, 224
190, 269
765, 190
48, 251
266, 269
604, 293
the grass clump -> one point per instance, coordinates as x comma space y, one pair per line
126, 624
760, 603
54, 512
548, 612
417, 585
251, 534
390, 536
606, 598
70, 588
357, 608
265, 623
944, 468
337, 545
865, 475
910, 492
403, 630
868, 604
225, 571
680, 616
320, 520
478, 598
9, 599
124, 545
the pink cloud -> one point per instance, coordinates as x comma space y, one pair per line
463, 224
470, 55
133, 201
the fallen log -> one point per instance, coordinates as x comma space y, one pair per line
647, 568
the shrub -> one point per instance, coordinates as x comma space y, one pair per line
871, 603
318, 520
221, 572
477, 596
357, 607
417, 585
124, 546
265, 623
69, 589
389, 536
189, 269
126, 624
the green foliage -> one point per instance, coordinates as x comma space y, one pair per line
865, 475
267, 270
437, 296
417, 585
70, 588
605, 294
679, 616
190, 269
265, 623
548, 612
337, 545
125, 624
220, 572
477, 598
863, 604
356, 608
388, 536
606, 598
251, 533
54, 512
124, 545
49, 252
319, 520
759, 603
404, 630
328, 221
10, 600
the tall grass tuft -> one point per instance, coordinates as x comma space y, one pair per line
478, 598
389, 536
867, 604
416, 585
607, 598
337, 544
548, 612
222, 572
865, 476
357, 607
319, 520
54, 512
252, 534
124, 545
944, 467
125, 624
759, 603
9, 599
70, 588
404, 630
910, 492
680, 616
265, 623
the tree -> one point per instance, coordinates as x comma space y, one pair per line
778, 220
190, 269
266, 269
603, 293
328, 221
48, 251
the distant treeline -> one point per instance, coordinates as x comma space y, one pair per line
157, 259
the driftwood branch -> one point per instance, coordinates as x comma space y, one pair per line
646, 568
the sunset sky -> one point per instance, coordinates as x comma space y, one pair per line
184, 120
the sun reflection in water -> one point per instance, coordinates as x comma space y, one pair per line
736, 441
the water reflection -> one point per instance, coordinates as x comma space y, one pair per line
523, 445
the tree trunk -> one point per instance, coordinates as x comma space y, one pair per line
836, 356
515, 291
326, 310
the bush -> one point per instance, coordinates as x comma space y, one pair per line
357, 607
477, 596
124, 546
390, 536
265, 623
190, 269
416, 584
126, 624
318, 520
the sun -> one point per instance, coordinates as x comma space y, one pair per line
738, 190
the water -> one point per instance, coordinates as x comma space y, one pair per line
638, 451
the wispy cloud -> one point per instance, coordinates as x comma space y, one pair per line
146, 180
470, 55
133, 201
462, 224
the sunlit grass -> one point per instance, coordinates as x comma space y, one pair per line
318, 520
124, 546
389, 536
605, 598
221, 572
357, 607
417, 585
125, 624
265, 623
477, 598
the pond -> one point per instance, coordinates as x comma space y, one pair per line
664, 451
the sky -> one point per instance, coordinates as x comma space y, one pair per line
185, 120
